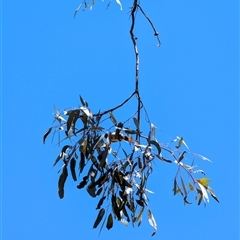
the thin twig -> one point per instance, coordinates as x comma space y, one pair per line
133, 38
112, 109
154, 29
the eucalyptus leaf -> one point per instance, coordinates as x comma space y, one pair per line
61, 181
109, 221
72, 168
46, 134
99, 218
156, 144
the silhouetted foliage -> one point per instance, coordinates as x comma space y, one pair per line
114, 161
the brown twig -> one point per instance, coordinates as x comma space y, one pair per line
156, 34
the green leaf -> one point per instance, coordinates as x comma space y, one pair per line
140, 202
61, 181
115, 207
156, 144
139, 216
72, 168
99, 191
181, 156
84, 103
61, 155
130, 131
163, 159
118, 130
152, 221
74, 114
204, 181
204, 192
109, 222
81, 162
46, 134
100, 202
175, 187
136, 124
102, 157
91, 190
191, 187
83, 183
99, 218
200, 196
179, 142
57, 159
113, 118
210, 190
184, 188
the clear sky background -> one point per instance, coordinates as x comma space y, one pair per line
190, 87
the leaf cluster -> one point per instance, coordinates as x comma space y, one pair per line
114, 163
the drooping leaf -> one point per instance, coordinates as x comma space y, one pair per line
204, 192
136, 124
99, 217
81, 162
184, 188
91, 190
140, 202
119, 3
175, 187
77, 9
199, 171
180, 142
152, 134
200, 196
109, 222
117, 135
74, 114
83, 183
202, 157
100, 202
61, 181
46, 134
156, 144
72, 168
191, 187
204, 181
86, 111
113, 118
152, 221
57, 159
62, 154
84, 103
210, 190
139, 216
102, 157
181, 156
125, 213
115, 207
130, 131
163, 159
83, 146
99, 191
186, 201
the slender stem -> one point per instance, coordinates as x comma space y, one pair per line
112, 109
154, 29
133, 38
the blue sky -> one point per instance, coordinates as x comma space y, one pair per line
190, 87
